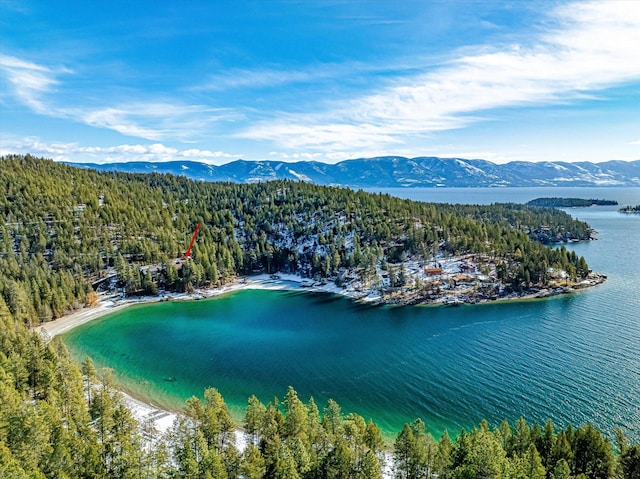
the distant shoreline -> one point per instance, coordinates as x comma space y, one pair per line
559, 202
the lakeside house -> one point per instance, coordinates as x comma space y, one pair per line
433, 271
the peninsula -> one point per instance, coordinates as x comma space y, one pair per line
71, 233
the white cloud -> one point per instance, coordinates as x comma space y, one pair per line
120, 121
578, 50
154, 120
30, 81
156, 152
32, 85
317, 136
196, 153
588, 47
264, 78
276, 76
634, 142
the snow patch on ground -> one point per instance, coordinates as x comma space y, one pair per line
149, 415
155, 418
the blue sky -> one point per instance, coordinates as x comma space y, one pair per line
325, 80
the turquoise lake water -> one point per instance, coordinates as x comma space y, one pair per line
574, 358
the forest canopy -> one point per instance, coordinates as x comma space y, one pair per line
66, 229
62, 421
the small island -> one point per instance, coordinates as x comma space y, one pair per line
569, 202
630, 210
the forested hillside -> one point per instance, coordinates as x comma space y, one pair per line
64, 229
59, 421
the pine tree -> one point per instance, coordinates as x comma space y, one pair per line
253, 419
90, 376
532, 462
295, 423
630, 462
332, 419
561, 470
252, 465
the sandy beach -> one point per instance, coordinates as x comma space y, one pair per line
66, 323
111, 303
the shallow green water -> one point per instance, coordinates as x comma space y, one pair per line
573, 358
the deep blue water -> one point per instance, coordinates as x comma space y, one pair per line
573, 358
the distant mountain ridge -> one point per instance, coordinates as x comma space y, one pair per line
397, 171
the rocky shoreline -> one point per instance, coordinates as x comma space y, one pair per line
483, 295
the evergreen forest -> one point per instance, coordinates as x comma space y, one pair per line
630, 209
67, 232
59, 420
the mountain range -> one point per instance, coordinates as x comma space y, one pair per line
396, 171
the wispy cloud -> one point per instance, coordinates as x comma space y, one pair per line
155, 152
586, 47
336, 110
277, 76
155, 121
30, 81
262, 78
34, 85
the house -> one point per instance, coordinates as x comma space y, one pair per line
153, 269
462, 278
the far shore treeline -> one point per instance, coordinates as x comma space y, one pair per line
556, 202
630, 209
68, 231
60, 421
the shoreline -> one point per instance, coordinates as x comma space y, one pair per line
111, 303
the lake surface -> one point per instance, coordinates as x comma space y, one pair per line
574, 358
